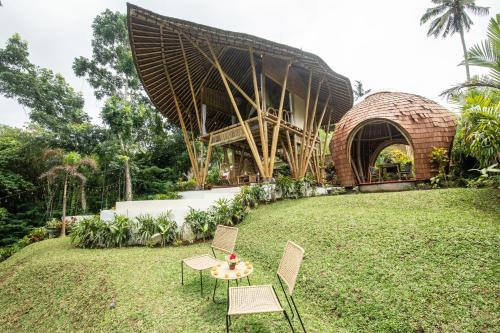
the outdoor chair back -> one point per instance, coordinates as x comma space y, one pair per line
290, 263
225, 238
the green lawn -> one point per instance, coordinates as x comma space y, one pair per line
421, 261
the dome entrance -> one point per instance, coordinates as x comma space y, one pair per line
369, 140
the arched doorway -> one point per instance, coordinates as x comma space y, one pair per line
368, 140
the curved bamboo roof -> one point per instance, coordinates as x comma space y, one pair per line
424, 123
160, 44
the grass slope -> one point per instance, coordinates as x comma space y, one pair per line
423, 261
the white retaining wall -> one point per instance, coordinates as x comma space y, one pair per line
179, 207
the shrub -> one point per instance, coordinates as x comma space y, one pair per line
167, 228
222, 212
285, 185
147, 227
89, 233
186, 185
238, 211
164, 196
53, 224
6, 252
201, 222
213, 176
439, 160
118, 232
36, 235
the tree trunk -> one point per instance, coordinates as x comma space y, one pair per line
63, 220
84, 199
128, 179
128, 182
466, 61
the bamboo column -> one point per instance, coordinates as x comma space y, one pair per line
276, 128
244, 125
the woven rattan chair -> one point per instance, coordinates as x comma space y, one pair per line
263, 299
374, 174
406, 172
224, 240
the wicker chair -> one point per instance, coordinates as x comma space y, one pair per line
263, 298
224, 240
374, 174
406, 172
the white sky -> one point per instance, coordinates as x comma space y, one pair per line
378, 42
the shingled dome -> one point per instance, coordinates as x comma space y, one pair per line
387, 118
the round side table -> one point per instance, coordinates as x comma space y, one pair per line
222, 272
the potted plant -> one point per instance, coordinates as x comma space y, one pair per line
53, 227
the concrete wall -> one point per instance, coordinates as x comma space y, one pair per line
179, 207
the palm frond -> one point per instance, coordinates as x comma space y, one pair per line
48, 153
53, 172
431, 12
480, 83
477, 10
89, 162
80, 176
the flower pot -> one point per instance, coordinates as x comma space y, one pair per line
53, 232
232, 266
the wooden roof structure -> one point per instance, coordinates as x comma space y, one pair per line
387, 118
164, 45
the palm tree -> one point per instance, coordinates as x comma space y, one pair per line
69, 167
486, 55
359, 91
449, 17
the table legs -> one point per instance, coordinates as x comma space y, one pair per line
237, 281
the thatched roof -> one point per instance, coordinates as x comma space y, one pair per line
423, 122
157, 43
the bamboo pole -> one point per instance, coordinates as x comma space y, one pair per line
313, 142
198, 119
214, 63
207, 163
306, 118
194, 163
247, 133
260, 116
274, 142
308, 131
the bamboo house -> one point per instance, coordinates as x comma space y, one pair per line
261, 101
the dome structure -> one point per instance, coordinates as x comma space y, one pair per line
387, 118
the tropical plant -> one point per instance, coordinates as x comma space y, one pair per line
285, 185
69, 167
186, 185
477, 132
164, 196
489, 176
89, 233
201, 222
238, 211
439, 160
450, 17
359, 91
118, 232
167, 228
145, 228
222, 212
485, 55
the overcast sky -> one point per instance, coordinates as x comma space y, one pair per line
378, 42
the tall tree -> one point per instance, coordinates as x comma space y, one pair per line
68, 166
450, 17
111, 72
53, 103
359, 90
